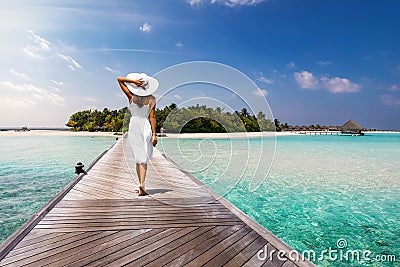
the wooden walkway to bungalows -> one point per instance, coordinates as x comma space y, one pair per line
99, 220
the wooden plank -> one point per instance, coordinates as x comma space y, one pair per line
131, 218
201, 248
219, 248
149, 212
289, 264
165, 249
247, 253
42, 242
105, 249
128, 226
229, 252
179, 250
36, 234
146, 202
72, 256
153, 240
42, 257
135, 257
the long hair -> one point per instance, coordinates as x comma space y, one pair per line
139, 100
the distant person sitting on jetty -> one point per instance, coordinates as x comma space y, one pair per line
139, 88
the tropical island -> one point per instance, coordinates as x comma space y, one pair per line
193, 119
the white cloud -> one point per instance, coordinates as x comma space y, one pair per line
389, 100
19, 75
394, 88
11, 103
229, 3
146, 27
36, 92
57, 83
260, 92
111, 70
340, 85
232, 3
40, 41
265, 80
306, 80
91, 99
324, 62
31, 51
194, 2
178, 44
55, 99
177, 97
23, 87
72, 63
290, 65
336, 85
39, 46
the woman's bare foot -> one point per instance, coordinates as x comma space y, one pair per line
141, 191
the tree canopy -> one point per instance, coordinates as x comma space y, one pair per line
194, 119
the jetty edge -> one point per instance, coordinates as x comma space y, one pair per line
98, 219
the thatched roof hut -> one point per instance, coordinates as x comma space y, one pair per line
351, 127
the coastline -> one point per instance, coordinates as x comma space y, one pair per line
168, 135
56, 133
251, 134
228, 135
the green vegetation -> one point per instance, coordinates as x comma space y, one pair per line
94, 120
172, 119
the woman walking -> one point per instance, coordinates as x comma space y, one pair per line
139, 87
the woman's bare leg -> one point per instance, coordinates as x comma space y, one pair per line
142, 173
141, 169
138, 171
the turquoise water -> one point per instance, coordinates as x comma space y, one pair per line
338, 192
34, 169
319, 189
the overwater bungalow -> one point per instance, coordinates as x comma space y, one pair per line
351, 127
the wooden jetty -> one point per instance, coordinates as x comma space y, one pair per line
318, 132
98, 220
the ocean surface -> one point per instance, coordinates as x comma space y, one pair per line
317, 193
322, 193
33, 169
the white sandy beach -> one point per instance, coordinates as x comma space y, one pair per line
168, 135
253, 134
55, 133
228, 135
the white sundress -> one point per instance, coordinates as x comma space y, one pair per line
140, 134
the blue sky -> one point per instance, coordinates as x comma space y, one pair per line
315, 61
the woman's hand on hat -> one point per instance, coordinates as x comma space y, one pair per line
138, 82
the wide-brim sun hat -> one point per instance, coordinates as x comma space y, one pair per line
149, 85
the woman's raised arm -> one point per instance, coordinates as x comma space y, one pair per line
122, 81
